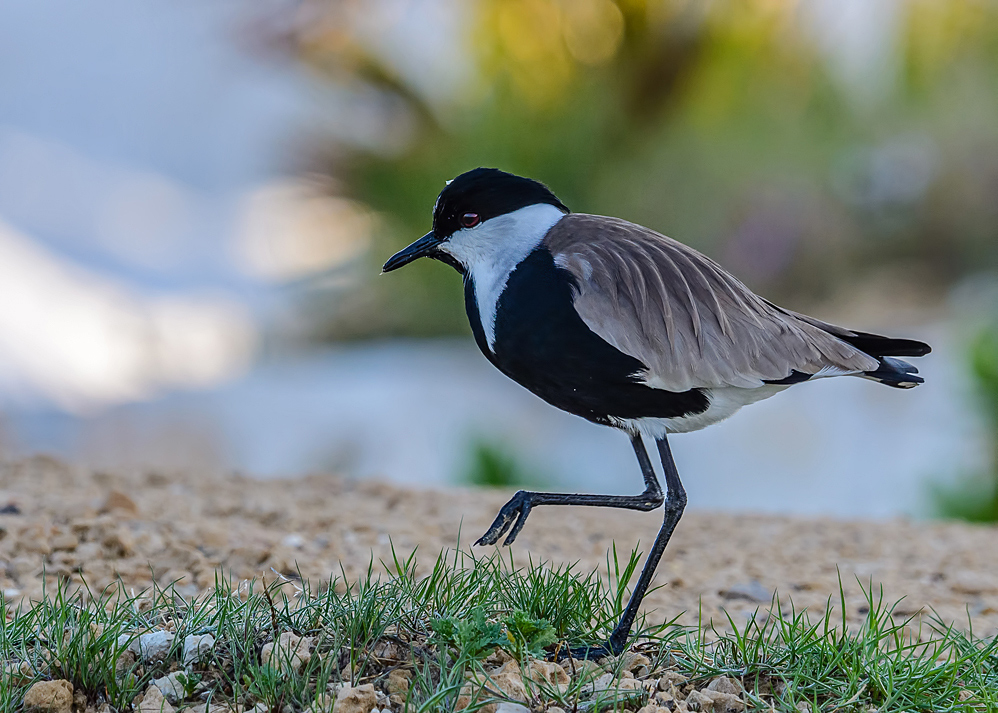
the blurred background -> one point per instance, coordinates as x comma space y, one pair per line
196, 198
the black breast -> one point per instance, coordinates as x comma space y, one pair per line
543, 344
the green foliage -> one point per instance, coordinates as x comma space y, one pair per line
474, 636
461, 606
529, 634
975, 497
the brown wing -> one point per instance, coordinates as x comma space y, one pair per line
682, 315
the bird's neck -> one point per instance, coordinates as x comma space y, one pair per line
492, 251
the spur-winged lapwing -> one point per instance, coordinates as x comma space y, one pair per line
625, 327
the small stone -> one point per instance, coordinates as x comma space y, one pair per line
602, 683
118, 543
726, 684
196, 646
355, 699
290, 653
671, 678
171, 686
803, 707
124, 663
697, 700
583, 667
555, 709
725, 702
507, 681
18, 674
154, 702
67, 542
965, 695
49, 697
120, 503
752, 591
664, 698
634, 661
547, 672
398, 682
507, 707
152, 646
974, 583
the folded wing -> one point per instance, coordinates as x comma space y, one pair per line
683, 316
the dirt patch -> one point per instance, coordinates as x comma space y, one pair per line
97, 526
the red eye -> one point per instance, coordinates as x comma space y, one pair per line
470, 220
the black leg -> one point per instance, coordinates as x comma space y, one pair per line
515, 512
675, 503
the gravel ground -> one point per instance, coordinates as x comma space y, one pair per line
99, 526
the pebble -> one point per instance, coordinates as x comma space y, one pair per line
120, 503
671, 678
724, 702
196, 646
752, 591
548, 672
634, 662
508, 680
398, 682
152, 646
171, 686
726, 684
49, 697
18, 674
66, 542
153, 701
507, 707
290, 653
355, 699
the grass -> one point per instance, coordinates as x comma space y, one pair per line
447, 627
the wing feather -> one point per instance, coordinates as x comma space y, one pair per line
689, 321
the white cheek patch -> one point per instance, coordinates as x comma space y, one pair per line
492, 250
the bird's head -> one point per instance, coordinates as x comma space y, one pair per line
476, 213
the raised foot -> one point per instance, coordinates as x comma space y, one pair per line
513, 513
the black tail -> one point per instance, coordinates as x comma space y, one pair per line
890, 371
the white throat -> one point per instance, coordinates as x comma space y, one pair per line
492, 250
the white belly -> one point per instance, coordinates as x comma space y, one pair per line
723, 403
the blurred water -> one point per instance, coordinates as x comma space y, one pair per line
408, 411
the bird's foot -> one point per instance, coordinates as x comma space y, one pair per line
513, 513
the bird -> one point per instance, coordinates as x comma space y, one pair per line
627, 328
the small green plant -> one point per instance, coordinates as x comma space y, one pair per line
474, 636
528, 634
975, 497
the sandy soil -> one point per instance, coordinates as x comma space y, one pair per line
99, 526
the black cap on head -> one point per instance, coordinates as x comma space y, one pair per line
487, 192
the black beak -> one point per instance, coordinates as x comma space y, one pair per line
422, 247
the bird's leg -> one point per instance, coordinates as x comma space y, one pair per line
675, 503
515, 512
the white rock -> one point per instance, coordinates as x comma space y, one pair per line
196, 646
289, 652
507, 707
153, 646
153, 701
171, 686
